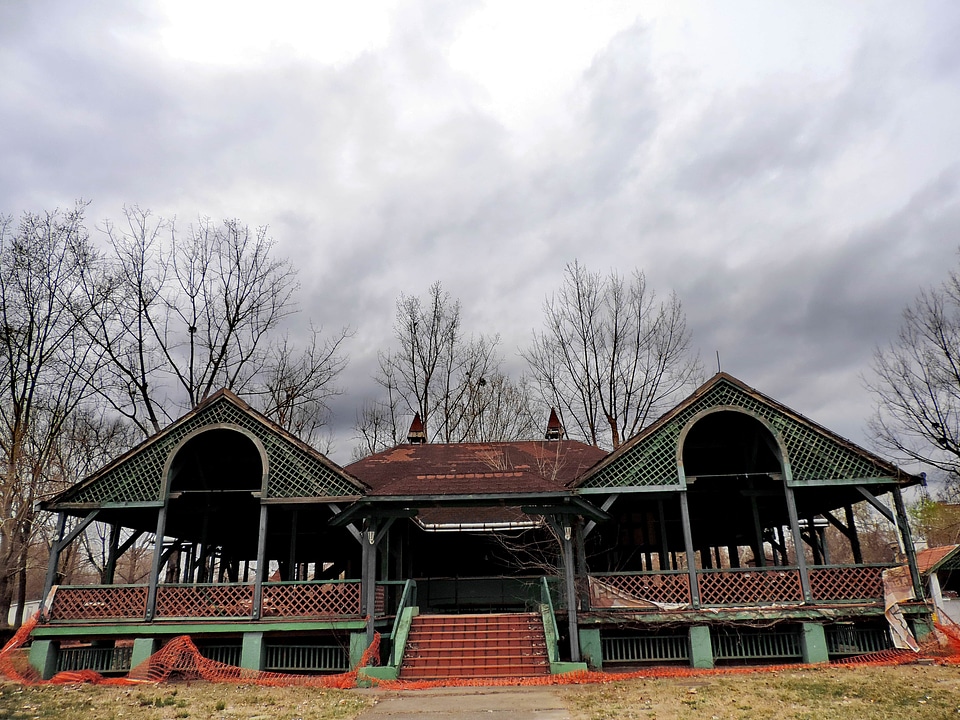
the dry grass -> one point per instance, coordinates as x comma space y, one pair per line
832, 693
198, 700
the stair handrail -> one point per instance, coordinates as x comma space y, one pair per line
549, 617
408, 598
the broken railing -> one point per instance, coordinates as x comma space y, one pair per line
737, 587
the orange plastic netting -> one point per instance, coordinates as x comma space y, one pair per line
180, 659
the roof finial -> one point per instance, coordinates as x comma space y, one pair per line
417, 435
554, 428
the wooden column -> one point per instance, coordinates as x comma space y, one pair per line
571, 589
155, 566
113, 546
904, 524
368, 585
688, 548
54, 557
798, 542
853, 536
262, 565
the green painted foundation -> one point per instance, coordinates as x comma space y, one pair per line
252, 651
813, 643
43, 657
591, 651
701, 648
143, 648
358, 644
366, 674
559, 668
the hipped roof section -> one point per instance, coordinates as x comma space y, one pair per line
296, 470
815, 454
495, 468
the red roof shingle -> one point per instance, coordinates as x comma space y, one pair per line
530, 466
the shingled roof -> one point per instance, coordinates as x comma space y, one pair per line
498, 468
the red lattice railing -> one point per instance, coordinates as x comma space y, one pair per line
312, 599
653, 587
204, 601
103, 602
749, 587
846, 583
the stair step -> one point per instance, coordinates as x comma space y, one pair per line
496, 645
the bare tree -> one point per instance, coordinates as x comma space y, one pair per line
46, 261
610, 357
454, 383
185, 314
295, 385
916, 382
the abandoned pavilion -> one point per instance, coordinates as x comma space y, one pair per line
699, 541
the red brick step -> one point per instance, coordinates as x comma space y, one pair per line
475, 646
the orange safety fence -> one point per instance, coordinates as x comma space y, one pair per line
180, 659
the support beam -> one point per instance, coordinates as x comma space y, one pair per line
155, 566
113, 552
688, 548
854, 535
664, 549
571, 591
262, 565
759, 556
908, 547
607, 504
798, 543
54, 556
877, 505
370, 539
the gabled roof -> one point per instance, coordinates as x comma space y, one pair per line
497, 468
945, 557
295, 468
649, 459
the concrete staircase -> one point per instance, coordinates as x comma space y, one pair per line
475, 646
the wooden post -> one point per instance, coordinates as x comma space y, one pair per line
571, 590
54, 557
110, 567
664, 549
854, 536
688, 548
759, 556
369, 581
155, 566
798, 543
292, 562
262, 565
908, 548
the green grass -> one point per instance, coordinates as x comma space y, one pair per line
831, 693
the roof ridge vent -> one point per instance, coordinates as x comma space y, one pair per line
417, 434
554, 428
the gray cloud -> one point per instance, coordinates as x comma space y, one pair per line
795, 211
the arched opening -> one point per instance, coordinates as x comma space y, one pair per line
734, 472
214, 482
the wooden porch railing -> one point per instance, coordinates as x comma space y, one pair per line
739, 587
283, 600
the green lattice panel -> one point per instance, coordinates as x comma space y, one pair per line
813, 456
293, 471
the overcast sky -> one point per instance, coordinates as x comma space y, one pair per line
791, 170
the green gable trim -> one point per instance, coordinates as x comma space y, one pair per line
813, 455
293, 470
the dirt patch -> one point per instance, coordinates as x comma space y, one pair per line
176, 701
